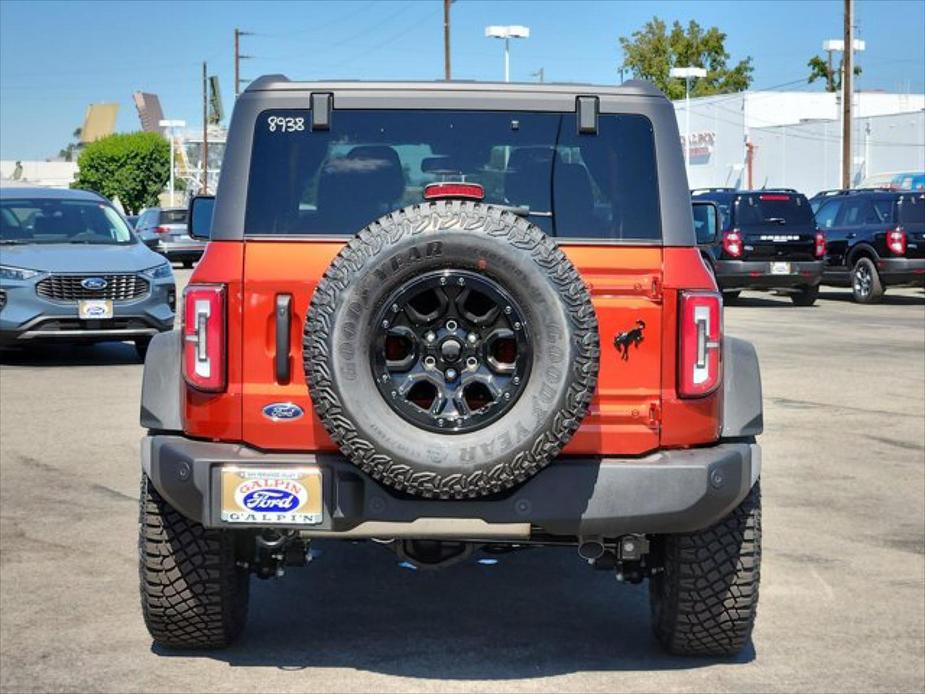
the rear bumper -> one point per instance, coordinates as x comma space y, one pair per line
666, 492
748, 274
902, 271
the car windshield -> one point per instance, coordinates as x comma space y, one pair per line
370, 162
173, 216
50, 220
773, 210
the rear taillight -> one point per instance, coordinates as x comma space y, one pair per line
732, 243
701, 331
452, 189
161, 230
896, 241
204, 336
820, 244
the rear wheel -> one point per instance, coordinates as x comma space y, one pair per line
705, 600
193, 593
141, 346
805, 296
866, 286
187, 264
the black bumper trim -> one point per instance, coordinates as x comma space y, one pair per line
666, 492
902, 271
756, 274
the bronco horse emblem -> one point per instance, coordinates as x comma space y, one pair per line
629, 337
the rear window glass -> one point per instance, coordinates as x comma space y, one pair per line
911, 209
773, 210
173, 216
601, 186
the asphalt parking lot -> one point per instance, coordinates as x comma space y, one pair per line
842, 597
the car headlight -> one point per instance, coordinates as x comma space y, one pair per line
159, 272
16, 273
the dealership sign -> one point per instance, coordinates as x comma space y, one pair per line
701, 146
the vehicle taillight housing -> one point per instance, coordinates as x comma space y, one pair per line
820, 244
161, 230
699, 354
204, 322
732, 243
896, 241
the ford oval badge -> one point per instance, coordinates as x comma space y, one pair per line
282, 411
94, 283
269, 500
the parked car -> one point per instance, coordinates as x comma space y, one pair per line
73, 271
876, 239
132, 220
768, 240
164, 230
421, 359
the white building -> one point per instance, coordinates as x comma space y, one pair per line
795, 138
45, 174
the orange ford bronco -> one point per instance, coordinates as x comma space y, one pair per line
447, 317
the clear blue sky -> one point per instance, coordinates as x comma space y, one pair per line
57, 57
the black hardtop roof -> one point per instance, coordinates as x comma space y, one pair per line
50, 193
283, 83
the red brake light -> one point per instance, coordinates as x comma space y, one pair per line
732, 243
449, 189
896, 240
699, 356
204, 337
820, 244
161, 230
773, 196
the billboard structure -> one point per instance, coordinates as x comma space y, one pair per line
149, 111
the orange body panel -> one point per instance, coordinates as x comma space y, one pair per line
635, 408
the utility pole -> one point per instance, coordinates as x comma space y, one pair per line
204, 188
847, 94
446, 39
238, 58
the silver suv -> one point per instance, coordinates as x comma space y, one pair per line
72, 270
163, 229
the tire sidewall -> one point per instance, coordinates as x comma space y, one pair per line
535, 426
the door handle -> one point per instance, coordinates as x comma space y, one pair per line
283, 323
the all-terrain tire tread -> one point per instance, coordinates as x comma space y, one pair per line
705, 602
192, 593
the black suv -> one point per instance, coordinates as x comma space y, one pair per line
876, 239
767, 240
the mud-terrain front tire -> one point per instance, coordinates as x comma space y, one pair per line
705, 600
193, 594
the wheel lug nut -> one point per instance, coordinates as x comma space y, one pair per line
440, 422
443, 280
508, 309
472, 362
451, 374
461, 281
516, 380
507, 396
385, 324
472, 338
516, 326
395, 308
385, 378
430, 336
430, 361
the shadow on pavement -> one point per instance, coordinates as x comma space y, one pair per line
102, 354
535, 613
917, 299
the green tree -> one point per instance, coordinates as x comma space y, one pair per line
819, 69
135, 167
652, 51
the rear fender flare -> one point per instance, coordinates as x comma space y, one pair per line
162, 385
743, 411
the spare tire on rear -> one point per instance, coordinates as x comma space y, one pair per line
451, 349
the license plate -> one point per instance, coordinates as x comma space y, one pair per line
272, 496
94, 309
780, 268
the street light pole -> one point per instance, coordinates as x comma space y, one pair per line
507, 33
169, 125
687, 73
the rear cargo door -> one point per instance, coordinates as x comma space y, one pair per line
310, 191
911, 217
776, 226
